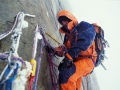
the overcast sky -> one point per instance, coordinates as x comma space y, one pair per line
107, 14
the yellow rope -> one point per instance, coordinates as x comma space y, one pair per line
52, 37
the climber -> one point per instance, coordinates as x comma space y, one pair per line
78, 50
79, 53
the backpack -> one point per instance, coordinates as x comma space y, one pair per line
100, 45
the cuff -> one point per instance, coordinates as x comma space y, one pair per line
68, 56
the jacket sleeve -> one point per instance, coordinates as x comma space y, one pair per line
60, 51
85, 37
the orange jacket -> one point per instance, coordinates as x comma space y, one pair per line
78, 44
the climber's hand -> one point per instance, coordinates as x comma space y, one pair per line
65, 63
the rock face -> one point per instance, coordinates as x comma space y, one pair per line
45, 12
90, 82
45, 17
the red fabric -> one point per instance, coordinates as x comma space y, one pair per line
30, 82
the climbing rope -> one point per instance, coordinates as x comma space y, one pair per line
38, 66
11, 29
52, 69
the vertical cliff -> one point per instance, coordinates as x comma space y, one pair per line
45, 12
45, 17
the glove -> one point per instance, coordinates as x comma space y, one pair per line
65, 63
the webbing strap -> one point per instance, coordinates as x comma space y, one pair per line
9, 81
53, 75
71, 33
7, 71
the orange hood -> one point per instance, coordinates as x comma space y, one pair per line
73, 21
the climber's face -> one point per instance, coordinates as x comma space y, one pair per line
64, 23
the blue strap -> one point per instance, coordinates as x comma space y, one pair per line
6, 73
9, 81
1, 86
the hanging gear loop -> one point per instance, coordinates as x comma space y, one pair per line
52, 70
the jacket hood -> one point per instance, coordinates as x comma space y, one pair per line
68, 15
73, 21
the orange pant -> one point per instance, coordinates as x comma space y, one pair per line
82, 68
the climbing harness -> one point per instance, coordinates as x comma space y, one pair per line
16, 69
35, 68
52, 66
